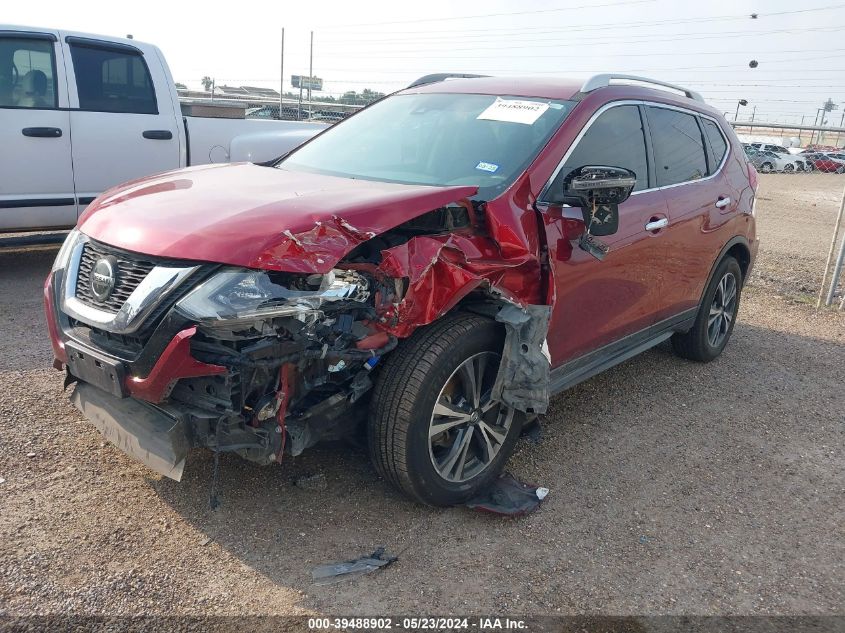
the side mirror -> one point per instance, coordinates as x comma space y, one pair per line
599, 190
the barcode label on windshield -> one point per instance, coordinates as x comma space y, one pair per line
514, 111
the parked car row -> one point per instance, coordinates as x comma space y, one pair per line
769, 158
293, 113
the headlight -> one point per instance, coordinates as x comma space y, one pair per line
67, 248
240, 294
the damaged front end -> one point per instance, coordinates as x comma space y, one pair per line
298, 350
262, 362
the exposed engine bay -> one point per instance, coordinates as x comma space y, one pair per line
305, 357
299, 349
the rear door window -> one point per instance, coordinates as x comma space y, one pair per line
615, 139
678, 146
27, 73
717, 142
111, 80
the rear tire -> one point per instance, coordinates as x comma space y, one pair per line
716, 316
433, 367
767, 168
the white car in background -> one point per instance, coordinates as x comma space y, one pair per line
787, 160
767, 161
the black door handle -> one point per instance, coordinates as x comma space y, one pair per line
158, 135
42, 132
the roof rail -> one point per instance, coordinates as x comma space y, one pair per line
430, 79
601, 81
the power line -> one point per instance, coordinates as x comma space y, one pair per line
496, 15
569, 56
642, 38
602, 26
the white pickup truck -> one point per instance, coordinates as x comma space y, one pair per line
81, 113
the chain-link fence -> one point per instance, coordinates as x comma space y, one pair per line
802, 190
332, 103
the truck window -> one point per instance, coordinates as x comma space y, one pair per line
109, 80
678, 146
615, 138
27, 73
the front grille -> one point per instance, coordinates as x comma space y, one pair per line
131, 270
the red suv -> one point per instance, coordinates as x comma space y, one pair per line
428, 271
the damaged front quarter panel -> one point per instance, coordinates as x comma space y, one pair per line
326, 331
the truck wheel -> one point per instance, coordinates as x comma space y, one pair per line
716, 316
434, 431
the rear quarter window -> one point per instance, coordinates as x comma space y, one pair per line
717, 142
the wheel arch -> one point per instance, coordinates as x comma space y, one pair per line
738, 248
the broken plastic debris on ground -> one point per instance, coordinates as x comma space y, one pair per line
338, 572
509, 497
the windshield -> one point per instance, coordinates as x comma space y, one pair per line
436, 139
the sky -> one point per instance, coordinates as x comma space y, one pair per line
384, 45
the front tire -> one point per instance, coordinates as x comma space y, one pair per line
434, 432
716, 316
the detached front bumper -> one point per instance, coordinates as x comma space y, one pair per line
155, 438
121, 398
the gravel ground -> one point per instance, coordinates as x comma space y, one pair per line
676, 487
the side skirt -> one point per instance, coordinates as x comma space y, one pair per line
578, 370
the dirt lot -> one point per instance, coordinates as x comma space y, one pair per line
675, 487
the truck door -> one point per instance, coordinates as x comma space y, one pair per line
123, 128
36, 174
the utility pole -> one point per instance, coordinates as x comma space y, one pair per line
310, 76
815, 122
282, 76
741, 102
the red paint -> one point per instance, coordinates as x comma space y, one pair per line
52, 325
829, 165
374, 341
174, 363
258, 217
284, 395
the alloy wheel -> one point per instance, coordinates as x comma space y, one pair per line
468, 428
722, 310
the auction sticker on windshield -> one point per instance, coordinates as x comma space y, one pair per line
514, 111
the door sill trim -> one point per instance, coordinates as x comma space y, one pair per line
586, 366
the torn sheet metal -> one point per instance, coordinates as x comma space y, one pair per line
338, 572
523, 378
441, 271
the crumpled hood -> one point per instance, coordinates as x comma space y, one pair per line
259, 217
